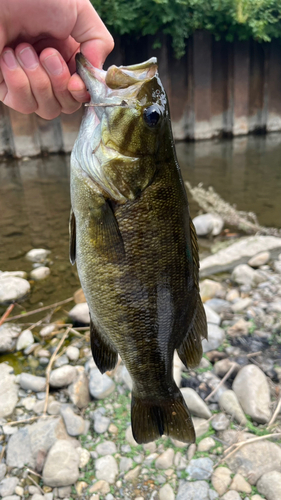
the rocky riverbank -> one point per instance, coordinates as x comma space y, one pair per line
65, 428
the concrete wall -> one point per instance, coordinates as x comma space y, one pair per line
216, 88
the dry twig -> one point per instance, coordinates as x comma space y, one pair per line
237, 446
227, 375
274, 416
24, 421
34, 482
2, 453
49, 367
45, 308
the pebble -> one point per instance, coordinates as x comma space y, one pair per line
195, 404
241, 304
166, 492
201, 426
61, 361
47, 330
209, 289
206, 444
72, 353
220, 422
228, 402
269, 485
25, 339
75, 425
133, 474
125, 464
32, 382
198, 490
216, 336
222, 366
100, 385
40, 273
221, 479
78, 391
8, 390
8, 336
200, 468
208, 224
252, 390
165, 460
100, 486
61, 466
259, 259
231, 495
80, 313
8, 485
101, 423
3, 470
240, 484
84, 457
106, 468
212, 316
37, 254
106, 448
13, 289
63, 376
129, 436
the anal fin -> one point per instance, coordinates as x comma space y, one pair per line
104, 355
190, 351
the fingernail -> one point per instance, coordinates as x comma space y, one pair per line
28, 58
53, 65
9, 59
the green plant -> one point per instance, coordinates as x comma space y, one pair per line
225, 19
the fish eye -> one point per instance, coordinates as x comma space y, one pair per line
152, 115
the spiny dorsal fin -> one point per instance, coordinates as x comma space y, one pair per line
72, 237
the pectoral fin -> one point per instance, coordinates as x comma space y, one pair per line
190, 351
104, 355
72, 237
104, 232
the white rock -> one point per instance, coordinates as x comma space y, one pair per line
241, 304
221, 479
269, 485
106, 468
240, 484
8, 334
260, 259
12, 289
228, 401
212, 316
80, 313
84, 457
17, 274
166, 492
37, 254
195, 404
201, 426
239, 253
47, 330
40, 273
216, 336
206, 444
231, 495
8, 390
243, 275
32, 382
165, 460
100, 385
63, 376
253, 393
72, 353
61, 466
209, 289
25, 340
208, 224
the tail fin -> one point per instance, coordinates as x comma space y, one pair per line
151, 419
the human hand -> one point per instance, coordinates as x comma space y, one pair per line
38, 43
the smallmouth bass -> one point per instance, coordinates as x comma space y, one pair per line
134, 243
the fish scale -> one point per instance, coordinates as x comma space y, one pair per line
135, 245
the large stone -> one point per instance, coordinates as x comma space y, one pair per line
106, 468
63, 376
228, 401
239, 253
25, 340
269, 485
253, 393
253, 459
13, 289
75, 425
100, 385
197, 490
216, 337
80, 313
37, 254
195, 404
61, 466
32, 382
8, 390
221, 479
8, 336
208, 224
200, 468
79, 389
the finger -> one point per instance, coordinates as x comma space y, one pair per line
47, 105
89, 30
15, 90
77, 89
59, 75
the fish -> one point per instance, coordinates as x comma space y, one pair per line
134, 243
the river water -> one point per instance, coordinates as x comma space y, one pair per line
35, 203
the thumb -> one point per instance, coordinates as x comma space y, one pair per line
89, 30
